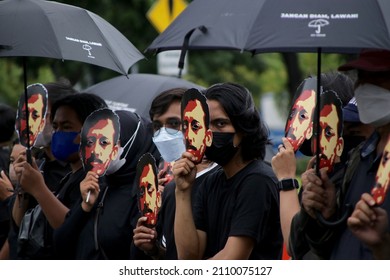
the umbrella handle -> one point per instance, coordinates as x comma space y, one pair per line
332, 224
29, 156
185, 45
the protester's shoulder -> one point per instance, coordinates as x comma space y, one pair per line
169, 190
260, 169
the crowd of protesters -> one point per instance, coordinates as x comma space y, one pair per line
70, 186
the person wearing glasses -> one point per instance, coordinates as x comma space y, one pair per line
165, 113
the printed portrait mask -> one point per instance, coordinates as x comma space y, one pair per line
100, 140
330, 130
149, 197
299, 125
195, 123
382, 177
34, 116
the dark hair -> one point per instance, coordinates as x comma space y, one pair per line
238, 103
82, 103
330, 97
95, 117
57, 90
161, 102
195, 94
371, 77
32, 90
7, 123
340, 83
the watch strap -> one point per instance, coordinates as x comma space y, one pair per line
288, 184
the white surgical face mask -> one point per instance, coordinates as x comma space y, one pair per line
373, 103
170, 146
120, 160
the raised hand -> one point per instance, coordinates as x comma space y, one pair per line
184, 172
284, 162
6, 188
319, 194
368, 222
89, 189
144, 237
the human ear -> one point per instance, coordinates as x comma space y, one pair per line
114, 152
309, 132
339, 146
237, 139
209, 138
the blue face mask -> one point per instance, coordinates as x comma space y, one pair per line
62, 145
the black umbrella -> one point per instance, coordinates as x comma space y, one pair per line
136, 92
40, 28
280, 26
50, 29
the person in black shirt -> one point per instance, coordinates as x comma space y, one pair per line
236, 212
67, 117
102, 227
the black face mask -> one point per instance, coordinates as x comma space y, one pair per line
350, 142
222, 149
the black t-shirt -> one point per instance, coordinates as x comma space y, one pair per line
246, 204
166, 215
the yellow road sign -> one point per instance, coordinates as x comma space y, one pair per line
163, 12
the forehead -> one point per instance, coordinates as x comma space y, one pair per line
329, 115
194, 107
101, 126
173, 111
216, 110
147, 173
66, 114
306, 99
34, 98
17, 149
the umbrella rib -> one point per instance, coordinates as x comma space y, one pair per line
117, 61
382, 17
52, 30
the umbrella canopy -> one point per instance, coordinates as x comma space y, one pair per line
54, 30
136, 92
50, 29
280, 26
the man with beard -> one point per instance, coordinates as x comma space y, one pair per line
99, 141
67, 117
236, 210
299, 125
36, 104
149, 195
372, 92
196, 123
330, 130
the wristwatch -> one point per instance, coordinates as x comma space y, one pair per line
288, 184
